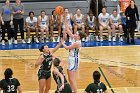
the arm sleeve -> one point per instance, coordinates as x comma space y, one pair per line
35, 19
137, 14
26, 20
104, 89
18, 83
126, 12
1, 84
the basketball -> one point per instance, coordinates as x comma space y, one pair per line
59, 10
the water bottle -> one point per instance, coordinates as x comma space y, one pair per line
91, 37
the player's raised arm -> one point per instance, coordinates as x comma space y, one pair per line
56, 48
69, 32
67, 27
75, 45
39, 61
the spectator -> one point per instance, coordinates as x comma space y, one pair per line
91, 24
130, 12
43, 23
18, 20
6, 21
104, 24
115, 21
54, 24
31, 25
79, 21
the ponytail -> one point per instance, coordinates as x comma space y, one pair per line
8, 74
41, 48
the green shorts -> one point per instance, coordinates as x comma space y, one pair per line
43, 74
67, 89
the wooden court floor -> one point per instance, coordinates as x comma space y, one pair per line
119, 64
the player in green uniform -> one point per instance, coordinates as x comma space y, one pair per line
9, 84
45, 62
96, 86
60, 79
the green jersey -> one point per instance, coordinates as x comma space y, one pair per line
47, 63
57, 78
67, 88
9, 86
45, 68
96, 88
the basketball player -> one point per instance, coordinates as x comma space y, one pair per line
68, 19
43, 23
10, 84
73, 59
96, 86
55, 24
90, 23
59, 77
79, 21
115, 21
45, 62
104, 24
31, 25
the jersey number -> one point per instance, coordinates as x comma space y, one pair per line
99, 91
11, 88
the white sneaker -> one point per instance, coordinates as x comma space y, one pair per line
101, 39
29, 41
86, 39
97, 39
54, 40
9, 42
58, 39
15, 41
70, 40
109, 38
36, 40
3, 42
121, 39
12, 40
114, 38
47, 40
83, 39
23, 41
89, 37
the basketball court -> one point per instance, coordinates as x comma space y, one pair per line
119, 66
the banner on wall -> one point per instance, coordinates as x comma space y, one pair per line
124, 4
40, 0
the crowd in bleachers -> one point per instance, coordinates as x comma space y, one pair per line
47, 25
